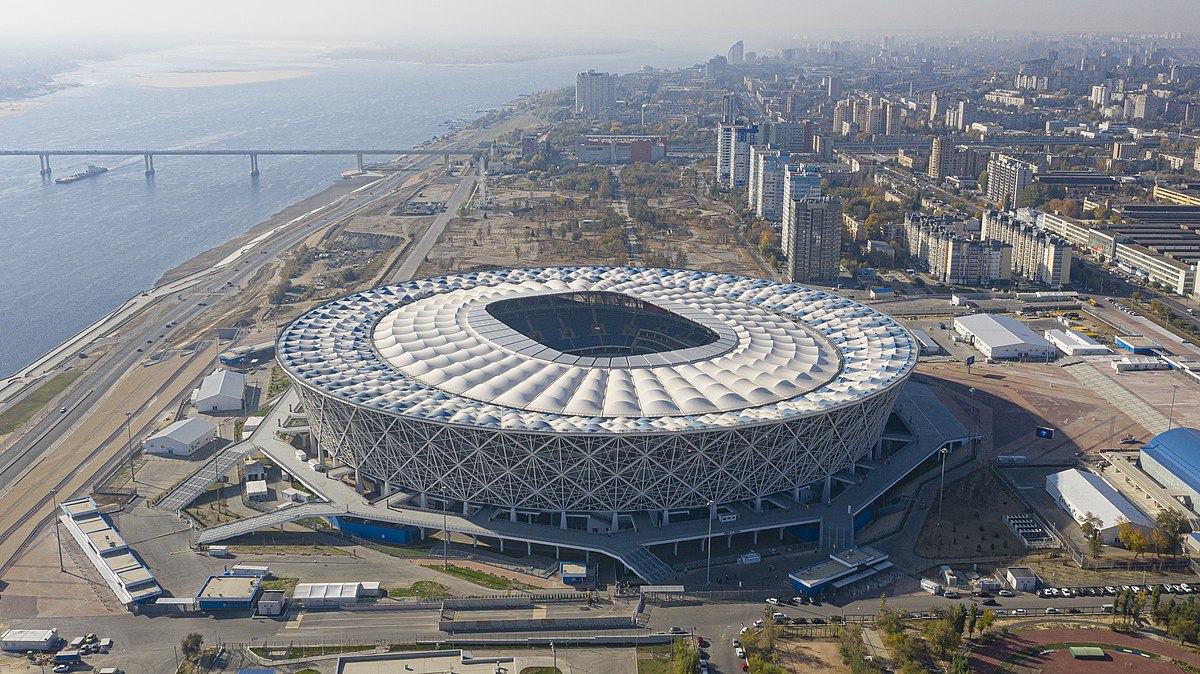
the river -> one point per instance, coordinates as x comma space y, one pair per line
71, 253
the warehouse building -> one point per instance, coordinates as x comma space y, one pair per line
1173, 460
182, 438
20, 641
1081, 494
228, 592
1002, 337
1075, 343
221, 391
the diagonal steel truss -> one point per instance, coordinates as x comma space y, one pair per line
608, 472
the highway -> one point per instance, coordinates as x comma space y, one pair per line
140, 336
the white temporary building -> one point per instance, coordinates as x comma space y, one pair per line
1075, 343
1002, 337
1081, 493
257, 490
181, 438
29, 640
317, 595
221, 391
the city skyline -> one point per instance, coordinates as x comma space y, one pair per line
690, 22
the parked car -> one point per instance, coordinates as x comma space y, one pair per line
678, 630
1018, 611
740, 652
772, 601
1006, 593
1052, 611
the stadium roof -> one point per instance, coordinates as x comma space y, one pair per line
1178, 450
435, 349
1000, 331
1088, 493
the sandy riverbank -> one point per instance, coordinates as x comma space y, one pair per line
191, 79
10, 108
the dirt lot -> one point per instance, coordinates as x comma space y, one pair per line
801, 656
972, 521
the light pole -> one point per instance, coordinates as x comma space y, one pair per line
975, 419
129, 438
554, 654
942, 484
445, 535
708, 545
57, 538
1171, 416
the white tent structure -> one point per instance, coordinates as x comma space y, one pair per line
1081, 494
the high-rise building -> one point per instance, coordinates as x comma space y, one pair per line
1037, 254
891, 118
841, 114
594, 92
946, 158
1100, 96
789, 136
941, 246
1146, 106
1007, 179
715, 67
729, 108
813, 229
765, 186
733, 152
936, 107
833, 87
736, 54
874, 121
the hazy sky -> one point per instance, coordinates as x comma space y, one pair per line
761, 23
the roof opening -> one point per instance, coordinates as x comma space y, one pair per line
600, 324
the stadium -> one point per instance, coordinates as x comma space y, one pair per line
558, 395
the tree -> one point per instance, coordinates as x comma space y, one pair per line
1132, 538
1092, 531
192, 645
1168, 524
960, 664
985, 620
973, 621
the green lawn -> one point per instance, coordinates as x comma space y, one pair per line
288, 585
541, 670
36, 400
424, 589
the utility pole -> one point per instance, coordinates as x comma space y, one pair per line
1171, 416
942, 485
445, 535
708, 545
129, 438
57, 537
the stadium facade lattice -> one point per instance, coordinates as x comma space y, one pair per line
573, 390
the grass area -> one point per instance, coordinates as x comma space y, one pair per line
279, 382
397, 550
655, 659
483, 578
423, 589
23, 410
541, 670
288, 585
309, 670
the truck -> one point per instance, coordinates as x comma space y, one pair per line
930, 586
67, 656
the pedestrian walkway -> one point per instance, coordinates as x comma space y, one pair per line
1120, 397
206, 476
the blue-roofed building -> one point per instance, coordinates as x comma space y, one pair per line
1173, 459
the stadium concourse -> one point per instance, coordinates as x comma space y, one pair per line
550, 405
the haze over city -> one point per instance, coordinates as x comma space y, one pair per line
539, 337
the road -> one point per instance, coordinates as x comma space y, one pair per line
173, 304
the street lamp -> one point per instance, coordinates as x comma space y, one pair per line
554, 654
445, 534
129, 438
57, 538
942, 485
708, 545
1171, 417
974, 419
